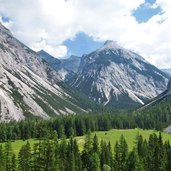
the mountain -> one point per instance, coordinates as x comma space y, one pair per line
72, 63
65, 67
167, 71
52, 61
161, 98
159, 108
117, 77
29, 87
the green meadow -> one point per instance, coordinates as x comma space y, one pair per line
112, 136
129, 134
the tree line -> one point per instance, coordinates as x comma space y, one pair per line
64, 155
78, 125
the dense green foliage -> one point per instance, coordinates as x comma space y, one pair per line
111, 135
64, 155
78, 125
53, 152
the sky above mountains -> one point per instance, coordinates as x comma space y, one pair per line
65, 27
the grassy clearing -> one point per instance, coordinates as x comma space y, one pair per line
16, 145
112, 136
129, 134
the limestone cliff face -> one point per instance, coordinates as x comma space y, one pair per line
116, 77
28, 85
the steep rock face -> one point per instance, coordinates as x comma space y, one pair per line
117, 77
28, 85
159, 102
52, 61
14, 55
66, 68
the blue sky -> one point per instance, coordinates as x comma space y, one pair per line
5, 19
63, 28
82, 44
145, 12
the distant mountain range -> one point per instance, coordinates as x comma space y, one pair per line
113, 76
39, 85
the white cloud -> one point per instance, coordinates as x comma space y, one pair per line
45, 24
58, 51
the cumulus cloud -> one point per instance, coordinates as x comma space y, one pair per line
58, 51
46, 24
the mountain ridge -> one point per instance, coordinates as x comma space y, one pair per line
29, 86
113, 73
65, 67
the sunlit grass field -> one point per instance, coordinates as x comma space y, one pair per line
129, 134
112, 136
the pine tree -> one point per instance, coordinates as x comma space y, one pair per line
63, 155
14, 163
94, 162
139, 144
78, 162
56, 154
2, 160
87, 152
24, 158
116, 156
95, 144
121, 154
88, 142
48, 155
110, 156
37, 161
134, 163
168, 154
8, 156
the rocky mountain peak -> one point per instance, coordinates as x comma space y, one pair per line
117, 77
110, 44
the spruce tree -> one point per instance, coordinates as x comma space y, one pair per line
94, 162
48, 155
24, 158
95, 144
8, 156
121, 154
14, 163
134, 163
2, 159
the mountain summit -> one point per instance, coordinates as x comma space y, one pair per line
117, 77
110, 44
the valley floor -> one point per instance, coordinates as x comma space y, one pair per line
112, 136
